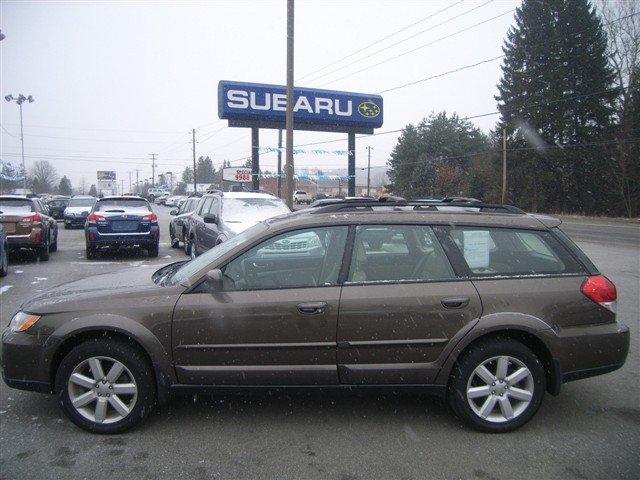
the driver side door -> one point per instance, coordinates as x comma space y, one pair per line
275, 321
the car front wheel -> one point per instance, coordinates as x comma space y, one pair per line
105, 386
497, 385
4, 263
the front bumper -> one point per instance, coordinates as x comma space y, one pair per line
94, 237
24, 364
590, 350
75, 221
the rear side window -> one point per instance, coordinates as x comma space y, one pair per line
510, 252
396, 253
204, 206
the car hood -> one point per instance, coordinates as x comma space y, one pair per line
96, 292
77, 209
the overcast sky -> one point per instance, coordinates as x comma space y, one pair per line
116, 81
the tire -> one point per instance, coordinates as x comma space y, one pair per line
135, 382
4, 262
43, 252
520, 397
193, 251
67, 226
175, 243
54, 246
153, 250
187, 247
90, 252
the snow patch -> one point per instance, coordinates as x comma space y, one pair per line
4, 288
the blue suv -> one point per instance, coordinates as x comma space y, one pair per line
122, 221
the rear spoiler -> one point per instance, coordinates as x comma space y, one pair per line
546, 220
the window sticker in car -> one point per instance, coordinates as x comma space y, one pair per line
477, 244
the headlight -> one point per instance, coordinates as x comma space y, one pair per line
21, 321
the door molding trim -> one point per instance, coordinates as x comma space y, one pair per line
235, 346
382, 343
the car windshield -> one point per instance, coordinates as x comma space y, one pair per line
238, 210
120, 204
17, 205
81, 202
210, 256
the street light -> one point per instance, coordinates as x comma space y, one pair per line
20, 100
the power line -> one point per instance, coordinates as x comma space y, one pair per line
381, 40
420, 47
451, 19
99, 129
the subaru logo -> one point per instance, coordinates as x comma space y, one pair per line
369, 109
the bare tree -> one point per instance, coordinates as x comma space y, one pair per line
622, 24
43, 177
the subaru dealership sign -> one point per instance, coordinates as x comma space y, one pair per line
265, 106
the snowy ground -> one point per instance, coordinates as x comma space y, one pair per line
591, 431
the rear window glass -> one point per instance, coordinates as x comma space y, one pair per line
501, 251
81, 202
119, 204
15, 205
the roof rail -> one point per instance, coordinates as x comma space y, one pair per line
355, 204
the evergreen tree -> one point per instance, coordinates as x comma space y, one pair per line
433, 159
204, 170
556, 90
64, 188
187, 175
93, 191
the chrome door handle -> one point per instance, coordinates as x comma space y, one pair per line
312, 308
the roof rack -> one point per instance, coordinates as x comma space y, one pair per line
360, 204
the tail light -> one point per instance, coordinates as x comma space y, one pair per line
151, 217
94, 218
30, 220
601, 290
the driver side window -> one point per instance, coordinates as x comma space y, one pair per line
297, 259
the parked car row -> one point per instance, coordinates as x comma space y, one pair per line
108, 222
203, 222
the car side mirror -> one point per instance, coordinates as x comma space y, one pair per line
210, 218
214, 279
173, 212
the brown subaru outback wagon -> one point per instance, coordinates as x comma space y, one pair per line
483, 304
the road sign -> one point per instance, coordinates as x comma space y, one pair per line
264, 106
106, 175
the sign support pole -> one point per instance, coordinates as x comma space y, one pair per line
289, 115
255, 159
351, 141
279, 180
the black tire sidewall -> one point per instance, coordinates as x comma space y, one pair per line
122, 352
477, 354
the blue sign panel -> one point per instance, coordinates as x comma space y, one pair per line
266, 105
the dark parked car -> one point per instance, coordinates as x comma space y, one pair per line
77, 211
57, 207
122, 221
177, 226
487, 306
4, 263
27, 223
220, 216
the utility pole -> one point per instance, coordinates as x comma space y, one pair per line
289, 118
122, 186
153, 169
130, 190
137, 182
369, 170
504, 165
279, 178
193, 133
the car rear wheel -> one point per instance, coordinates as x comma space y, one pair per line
105, 386
90, 251
43, 252
497, 385
154, 250
4, 263
175, 243
54, 246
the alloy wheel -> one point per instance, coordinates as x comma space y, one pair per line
500, 389
102, 390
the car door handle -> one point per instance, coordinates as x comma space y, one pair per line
312, 308
455, 302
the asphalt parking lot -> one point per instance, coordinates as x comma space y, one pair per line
590, 431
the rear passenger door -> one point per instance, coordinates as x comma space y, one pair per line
401, 305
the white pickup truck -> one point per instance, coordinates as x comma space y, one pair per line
300, 196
